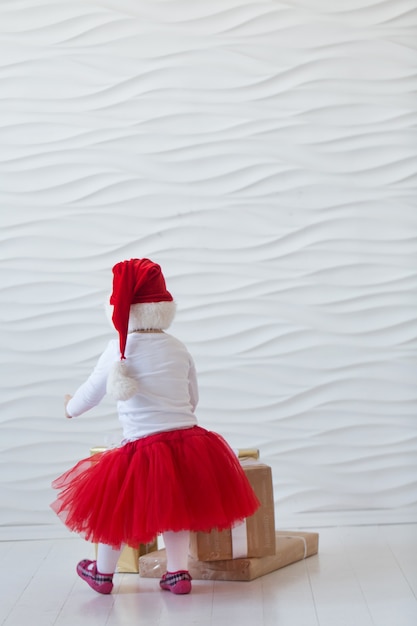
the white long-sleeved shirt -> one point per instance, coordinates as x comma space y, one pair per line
168, 392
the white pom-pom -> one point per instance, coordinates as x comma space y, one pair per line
119, 384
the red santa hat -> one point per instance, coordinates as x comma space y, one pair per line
136, 282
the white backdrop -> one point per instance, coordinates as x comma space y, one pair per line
265, 154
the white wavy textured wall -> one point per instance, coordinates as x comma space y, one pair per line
265, 154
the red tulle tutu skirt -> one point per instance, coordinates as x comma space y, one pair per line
187, 479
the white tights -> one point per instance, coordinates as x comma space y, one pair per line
176, 545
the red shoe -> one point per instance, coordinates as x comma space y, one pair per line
176, 582
87, 570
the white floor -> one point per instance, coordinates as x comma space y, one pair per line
362, 576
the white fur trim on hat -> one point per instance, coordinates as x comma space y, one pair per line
119, 384
147, 315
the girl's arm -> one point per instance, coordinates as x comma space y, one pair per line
92, 391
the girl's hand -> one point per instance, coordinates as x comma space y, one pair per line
67, 398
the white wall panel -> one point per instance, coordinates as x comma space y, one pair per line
265, 154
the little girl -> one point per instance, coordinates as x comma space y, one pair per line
169, 476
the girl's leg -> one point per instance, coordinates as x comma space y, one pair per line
107, 558
177, 545
177, 579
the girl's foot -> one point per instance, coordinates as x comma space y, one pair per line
176, 582
87, 570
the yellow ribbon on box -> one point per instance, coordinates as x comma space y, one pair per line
247, 453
